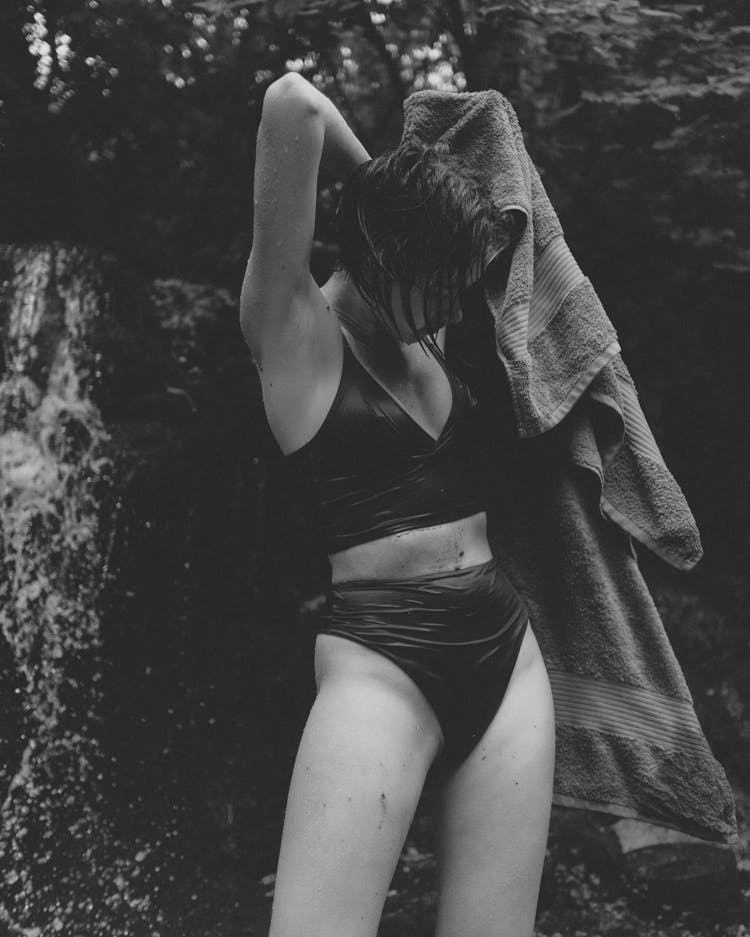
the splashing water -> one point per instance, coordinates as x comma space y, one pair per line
63, 867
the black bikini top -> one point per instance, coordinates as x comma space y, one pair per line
377, 472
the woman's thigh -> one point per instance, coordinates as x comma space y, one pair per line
492, 813
360, 768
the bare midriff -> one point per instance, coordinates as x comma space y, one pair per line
444, 547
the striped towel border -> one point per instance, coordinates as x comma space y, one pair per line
626, 710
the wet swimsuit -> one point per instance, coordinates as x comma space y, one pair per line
377, 472
456, 633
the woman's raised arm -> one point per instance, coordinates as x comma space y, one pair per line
300, 131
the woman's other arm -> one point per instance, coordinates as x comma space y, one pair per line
300, 132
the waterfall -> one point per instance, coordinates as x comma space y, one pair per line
54, 476
146, 590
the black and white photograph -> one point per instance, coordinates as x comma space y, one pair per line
374, 468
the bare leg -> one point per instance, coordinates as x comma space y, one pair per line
492, 813
365, 751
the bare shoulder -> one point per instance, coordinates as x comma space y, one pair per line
301, 368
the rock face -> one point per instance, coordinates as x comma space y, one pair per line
130, 484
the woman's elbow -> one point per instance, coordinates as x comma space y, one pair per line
291, 90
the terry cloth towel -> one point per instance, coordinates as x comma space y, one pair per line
581, 475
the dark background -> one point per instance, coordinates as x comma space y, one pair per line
127, 130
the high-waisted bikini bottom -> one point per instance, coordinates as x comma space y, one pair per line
457, 634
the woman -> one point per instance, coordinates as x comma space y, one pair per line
426, 663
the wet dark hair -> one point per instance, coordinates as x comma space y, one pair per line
407, 216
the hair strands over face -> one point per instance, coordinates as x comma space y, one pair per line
406, 217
